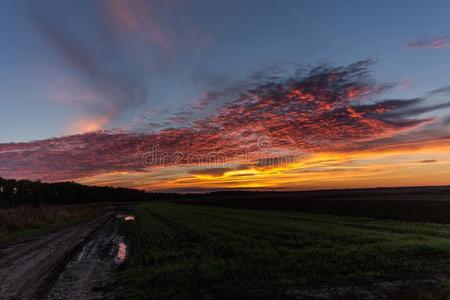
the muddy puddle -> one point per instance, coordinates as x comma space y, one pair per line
122, 246
126, 217
90, 274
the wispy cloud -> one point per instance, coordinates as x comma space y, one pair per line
436, 42
151, 20
441, 91
104, 94
428, 161
109, 63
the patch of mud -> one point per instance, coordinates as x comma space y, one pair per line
76, 263
90, 274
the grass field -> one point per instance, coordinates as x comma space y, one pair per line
412, 204
186, 251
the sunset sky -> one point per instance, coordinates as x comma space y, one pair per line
209, 95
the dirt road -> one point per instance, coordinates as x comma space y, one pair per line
76, 263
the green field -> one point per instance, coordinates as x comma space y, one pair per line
186, 251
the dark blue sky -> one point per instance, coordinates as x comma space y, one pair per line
76, 66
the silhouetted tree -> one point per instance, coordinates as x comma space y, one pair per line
17, 192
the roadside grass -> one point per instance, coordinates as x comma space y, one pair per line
190, 252
27, 220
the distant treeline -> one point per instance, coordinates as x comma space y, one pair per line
18, 192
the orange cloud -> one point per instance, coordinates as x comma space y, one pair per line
399, 167
88, 125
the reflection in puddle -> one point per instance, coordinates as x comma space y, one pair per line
129, 218
126, 218
119, 242
83, 252
121, 253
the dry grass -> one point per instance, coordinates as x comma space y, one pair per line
16, 220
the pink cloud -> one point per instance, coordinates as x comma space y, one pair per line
153, 21
329, 109
404, 84
438, 42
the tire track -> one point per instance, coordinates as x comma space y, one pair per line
75, 263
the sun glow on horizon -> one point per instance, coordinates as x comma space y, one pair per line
406, 166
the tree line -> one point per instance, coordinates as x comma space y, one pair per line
19, 192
